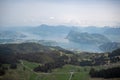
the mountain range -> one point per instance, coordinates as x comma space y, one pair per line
68, 37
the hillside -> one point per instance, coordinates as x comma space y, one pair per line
112, 31
54, 61
45, 54
87, 38
11, 35
30, 51
22, 48
110, 46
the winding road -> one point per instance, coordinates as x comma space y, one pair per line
71, 74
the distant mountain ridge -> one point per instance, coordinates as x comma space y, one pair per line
59, 34
87, 38
110, 46
113, 31
11, 35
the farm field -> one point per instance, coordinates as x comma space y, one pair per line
79, 73
25, 71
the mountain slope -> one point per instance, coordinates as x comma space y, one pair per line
11, 35
87, 38
109, 47
22, 48
30, 51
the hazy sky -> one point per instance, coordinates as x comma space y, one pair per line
60, 12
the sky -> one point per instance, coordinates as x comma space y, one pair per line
60, 12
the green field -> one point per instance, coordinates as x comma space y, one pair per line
24, 72
31, 65
80, 73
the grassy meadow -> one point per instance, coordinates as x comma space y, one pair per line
25, 71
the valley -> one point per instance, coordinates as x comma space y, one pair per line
59, 40
32, 61
58, 53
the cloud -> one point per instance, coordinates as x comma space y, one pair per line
69, 12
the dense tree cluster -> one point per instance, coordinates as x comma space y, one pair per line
3, 69
115, 53
2, 72
86, 63
115, 56
49, 66
13, 66
106, 73
8, 58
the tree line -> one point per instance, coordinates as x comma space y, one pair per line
105, 73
